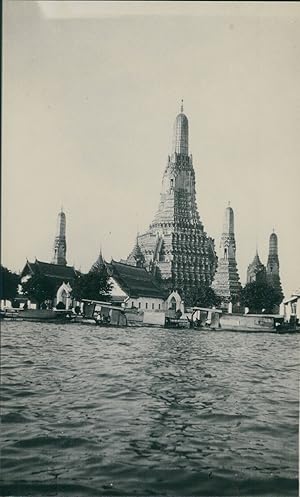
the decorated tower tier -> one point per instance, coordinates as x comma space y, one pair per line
226, 282
273, 277
60, 245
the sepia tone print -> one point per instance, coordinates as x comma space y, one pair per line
150, 276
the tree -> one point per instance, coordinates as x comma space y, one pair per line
9, 282
203, 296
39, 288
94, 285
260, 295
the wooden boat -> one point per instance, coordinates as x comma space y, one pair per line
214, 319
103, 314
205, 318
273, 323
9, 314
49, 315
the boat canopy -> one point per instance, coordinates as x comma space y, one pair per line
106, 305
274, 316
207, 309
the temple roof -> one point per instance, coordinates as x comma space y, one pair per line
64, 273
135, 281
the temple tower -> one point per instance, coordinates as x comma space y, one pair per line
60, 245
136, 257
98, 264
256, 270
176, 246
273, 277
226, 283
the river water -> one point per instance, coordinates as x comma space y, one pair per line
89, 411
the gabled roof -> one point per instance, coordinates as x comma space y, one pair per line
64, 273
135, 281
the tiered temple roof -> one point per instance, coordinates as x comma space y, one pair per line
135, 281
55, 271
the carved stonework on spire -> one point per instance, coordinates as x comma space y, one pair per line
273, 277
226, 283
176, 245
60, 245
181, 134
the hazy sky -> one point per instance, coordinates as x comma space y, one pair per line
90, 93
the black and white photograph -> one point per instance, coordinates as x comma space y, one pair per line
150, 249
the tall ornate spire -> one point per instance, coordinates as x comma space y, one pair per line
226, 282
175, 246
228, 224
273, 246
60, 245
273, 277
181, 134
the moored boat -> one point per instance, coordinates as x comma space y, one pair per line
103, 314
214, 319
42, 315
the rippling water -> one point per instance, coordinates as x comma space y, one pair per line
103, 411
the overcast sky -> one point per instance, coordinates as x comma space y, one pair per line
90, 93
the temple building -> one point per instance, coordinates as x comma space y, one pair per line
134, 287
63, 278
58, 274
256, 271
273, 277
226, 282
60, 245
131, 285
175, 247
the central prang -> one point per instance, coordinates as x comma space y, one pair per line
176, 249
